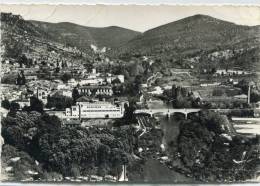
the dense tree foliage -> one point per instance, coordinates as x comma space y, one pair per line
59, 102
5, 104
35, 105
254, 93
14, 106
19, 129
68, 151
66, 77
13, 47
81, 151
75, 94
21, 78
21, 166
208, 153
182, 98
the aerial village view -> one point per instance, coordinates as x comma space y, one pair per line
175, 103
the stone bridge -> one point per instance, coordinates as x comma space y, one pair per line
167, 112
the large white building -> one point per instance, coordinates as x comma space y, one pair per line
95, 109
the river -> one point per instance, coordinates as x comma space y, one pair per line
154, 171
170, 126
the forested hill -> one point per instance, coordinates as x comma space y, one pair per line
198, 32
194, 36
82, 36
15, 28
16, 25
197, 40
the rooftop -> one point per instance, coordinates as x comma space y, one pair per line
94, 87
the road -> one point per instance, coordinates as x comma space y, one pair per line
183, 110
165, 110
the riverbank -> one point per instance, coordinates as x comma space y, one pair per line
248, 126
154, 171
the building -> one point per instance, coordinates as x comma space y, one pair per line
65, 92
72, 82
230, 72
42, 95
110, 78
96, 90
215, 84
95, 109
242, 97
91, 81
72, 123
62, 92
225, 99
23, 102
121, 78
257, 110
61, 86
157, 91
3, 112
31, 78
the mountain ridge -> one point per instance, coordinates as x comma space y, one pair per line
198, 32
111, 36
191, 37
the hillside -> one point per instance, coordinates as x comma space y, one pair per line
15, 24
194, 36
18, 33
195, 32
82, 36
197, 40
21, 37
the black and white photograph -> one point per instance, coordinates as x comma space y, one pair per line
130, 94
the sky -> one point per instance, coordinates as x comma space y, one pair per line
135, 17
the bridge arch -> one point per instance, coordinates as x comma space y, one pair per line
160, 113
180, 114
144, 113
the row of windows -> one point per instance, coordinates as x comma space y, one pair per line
91, 106
116, 110
100, 110
99, 116
94, 107
97, 103
99, 107
89, 90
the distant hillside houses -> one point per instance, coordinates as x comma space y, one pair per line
95, 78
42, 94
11, 93
213, 84
96, 90
226, 54
62, 92
23, 102
230, 72
226, 99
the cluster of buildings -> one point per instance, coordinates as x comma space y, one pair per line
230, 72
23, 97
96, 90
95, 78
93, 84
